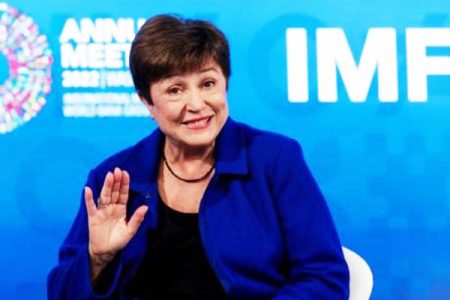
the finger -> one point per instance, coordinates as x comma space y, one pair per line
105, 194
124, 188
136, 220
116, 185
89, 201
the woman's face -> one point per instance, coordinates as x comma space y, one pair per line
191, 109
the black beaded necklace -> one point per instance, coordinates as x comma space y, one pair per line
166, 163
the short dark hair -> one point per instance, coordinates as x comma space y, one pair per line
168, 44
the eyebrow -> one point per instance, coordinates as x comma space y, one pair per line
208, 69
200, 71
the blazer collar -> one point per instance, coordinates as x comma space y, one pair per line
231, 150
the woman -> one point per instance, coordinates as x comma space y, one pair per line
204, 207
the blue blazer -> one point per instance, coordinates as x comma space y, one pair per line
265, 226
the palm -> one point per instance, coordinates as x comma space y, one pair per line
108, 229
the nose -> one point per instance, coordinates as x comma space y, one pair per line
195, 102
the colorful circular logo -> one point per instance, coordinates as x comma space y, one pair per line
22, 94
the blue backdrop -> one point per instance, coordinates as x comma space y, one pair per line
363, 85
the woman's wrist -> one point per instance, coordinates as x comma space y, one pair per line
98, 262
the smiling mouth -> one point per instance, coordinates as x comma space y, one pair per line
198, 124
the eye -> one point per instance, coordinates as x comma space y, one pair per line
174, 90
209, 83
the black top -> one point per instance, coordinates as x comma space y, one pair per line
176, 266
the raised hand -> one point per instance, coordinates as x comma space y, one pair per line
109, 229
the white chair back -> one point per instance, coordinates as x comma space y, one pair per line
361, 278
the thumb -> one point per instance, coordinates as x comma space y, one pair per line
136, 219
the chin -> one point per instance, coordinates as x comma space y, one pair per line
199, 142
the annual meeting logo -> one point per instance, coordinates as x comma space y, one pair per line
22, 94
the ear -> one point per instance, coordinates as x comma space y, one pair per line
149, 106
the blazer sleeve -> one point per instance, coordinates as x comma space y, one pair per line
316, 262
70, 279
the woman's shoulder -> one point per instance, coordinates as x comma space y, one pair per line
268, 152
271, 141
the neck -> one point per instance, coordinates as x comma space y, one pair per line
186, 163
